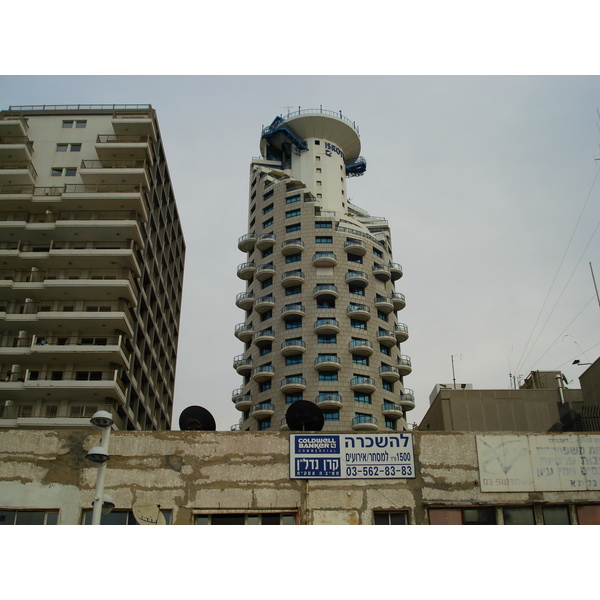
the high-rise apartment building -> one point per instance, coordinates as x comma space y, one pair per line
91, 267
320, 301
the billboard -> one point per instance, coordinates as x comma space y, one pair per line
351, 456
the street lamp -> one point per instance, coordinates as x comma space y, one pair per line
578, 362
99, 455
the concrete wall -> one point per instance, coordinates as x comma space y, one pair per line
496, 410
188, 472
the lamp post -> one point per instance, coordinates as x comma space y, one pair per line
99, 455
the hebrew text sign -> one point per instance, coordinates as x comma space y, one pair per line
351, 456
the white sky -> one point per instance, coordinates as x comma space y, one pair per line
487, 183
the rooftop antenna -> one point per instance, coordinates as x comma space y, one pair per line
453, 374
288, 109
595, 286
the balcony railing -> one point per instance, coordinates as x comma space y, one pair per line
123, 139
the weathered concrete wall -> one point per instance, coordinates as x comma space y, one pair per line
187, 471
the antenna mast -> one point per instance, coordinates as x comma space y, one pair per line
595, 286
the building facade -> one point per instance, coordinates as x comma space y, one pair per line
320, 305
91, 260
210, 478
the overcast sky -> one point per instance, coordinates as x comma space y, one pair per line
488, 183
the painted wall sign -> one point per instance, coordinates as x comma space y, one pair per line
351, 456
330, 149
538, 463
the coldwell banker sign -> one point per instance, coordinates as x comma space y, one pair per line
351, 456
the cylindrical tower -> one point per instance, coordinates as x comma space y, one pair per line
320, 302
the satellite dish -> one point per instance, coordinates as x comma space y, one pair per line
196, 418
146, 513
304, 416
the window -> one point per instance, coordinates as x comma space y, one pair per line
267, 349
358, 291
267, 252
358, 324
381, 315
267, 282
479, 516
292, 213
292, 199
294, 227
67, 124
293, 323
362, 398
326, 338
290, 398
377, 253
120, 517
67, 147
390, 424
264, 424
355, 258
328, 376
518, 515
388, 385
264, 386
285, 518
67, 171
268, 223
360, 360
268, 195
80, 124
294, 359
323, 224
292, 290
324, 239
266, 315
390, 518
28, 517
293, 258
556, 515
325, 303
267, 209
331, 414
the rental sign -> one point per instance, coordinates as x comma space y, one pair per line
351, 456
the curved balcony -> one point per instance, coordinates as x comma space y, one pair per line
263, 373
325, 289
264, 337
395, 271
292, 347
384, 304
293, 383
244, 332
362, 383
399, 300
329, 400
328, 362
404, 365
264, 303
364, 423
246, 270
359, 278
324, 259
265, 271
389, 373
246, 242
407, 399
292, 278
292, 247
391, 409
245, 300
242, 365
264, 241
293, 310
327, 326
401, 331
361, 347
355, 247
242, 401
382, 272
262, 410
359, 311
386, 337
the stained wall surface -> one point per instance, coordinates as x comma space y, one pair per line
191, 473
